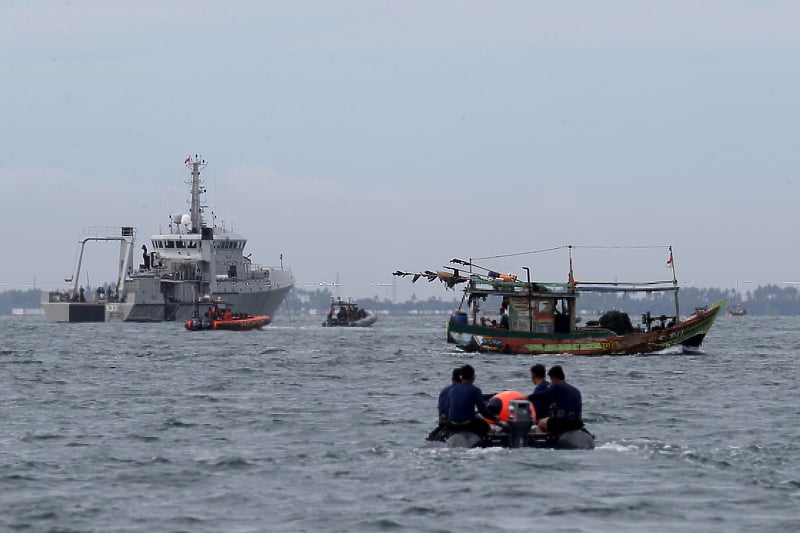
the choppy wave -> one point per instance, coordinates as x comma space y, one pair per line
303, 428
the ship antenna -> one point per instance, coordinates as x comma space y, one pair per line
196, 165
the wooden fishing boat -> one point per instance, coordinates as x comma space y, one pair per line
542, 317
348, 314
219, 315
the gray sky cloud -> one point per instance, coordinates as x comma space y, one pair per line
356, 138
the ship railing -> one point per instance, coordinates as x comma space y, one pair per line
254, 267
100, 232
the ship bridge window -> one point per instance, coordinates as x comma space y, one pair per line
170, 244
191, 244
179, 244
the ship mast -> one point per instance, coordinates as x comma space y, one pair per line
196, 165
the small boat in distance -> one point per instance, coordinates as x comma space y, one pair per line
348, 314
219, 315
736, 310
542, 317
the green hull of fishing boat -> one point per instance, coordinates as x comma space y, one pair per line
688, 334
539, 317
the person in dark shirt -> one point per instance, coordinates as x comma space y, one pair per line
540, 398
465, 398
444, 405
444, 395
503, 318
565, 411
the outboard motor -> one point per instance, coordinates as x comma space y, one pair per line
519, 422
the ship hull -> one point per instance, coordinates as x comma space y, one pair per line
252, 303
74, 311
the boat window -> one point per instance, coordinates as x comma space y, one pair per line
179, 244
191, 244
546, 307
170, 244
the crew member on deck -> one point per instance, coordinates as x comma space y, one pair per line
503, 318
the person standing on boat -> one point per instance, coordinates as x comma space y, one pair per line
503, 318
464, 399
566, 407
540, 398
145, 257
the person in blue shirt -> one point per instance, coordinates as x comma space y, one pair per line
444, 405
565, 410
539, 398
465, 398
444, 395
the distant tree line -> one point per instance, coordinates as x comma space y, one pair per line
29, 299
768, 300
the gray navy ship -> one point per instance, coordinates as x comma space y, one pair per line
191, 262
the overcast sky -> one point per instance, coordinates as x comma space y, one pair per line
361, 137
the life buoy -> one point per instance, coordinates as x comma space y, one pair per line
499, 404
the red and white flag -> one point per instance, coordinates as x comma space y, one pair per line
669, 261
187, 160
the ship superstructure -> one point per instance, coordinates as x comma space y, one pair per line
192, 260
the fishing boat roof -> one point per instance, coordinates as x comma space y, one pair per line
481, 284
497, 286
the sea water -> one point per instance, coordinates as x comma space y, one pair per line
149, 427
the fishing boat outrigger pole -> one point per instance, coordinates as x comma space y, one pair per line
671, 262
530, 310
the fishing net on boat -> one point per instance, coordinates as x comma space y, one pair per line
617, 321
